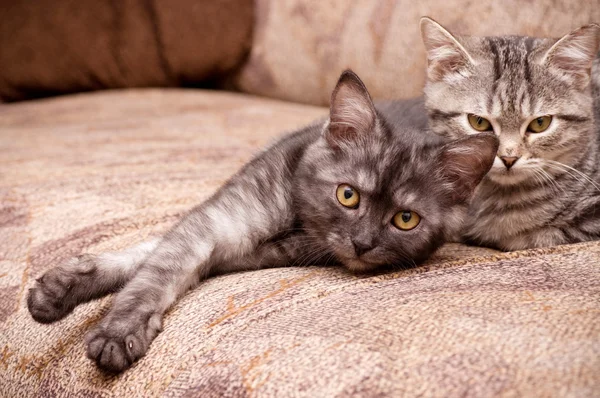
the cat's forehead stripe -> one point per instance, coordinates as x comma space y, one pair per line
512, 76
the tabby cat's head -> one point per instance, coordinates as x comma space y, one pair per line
534, 94
377, 194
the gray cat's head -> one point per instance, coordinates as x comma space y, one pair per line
534, 94
376, 194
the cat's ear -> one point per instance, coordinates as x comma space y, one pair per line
445, 55
572, 56
466, 161
352, 113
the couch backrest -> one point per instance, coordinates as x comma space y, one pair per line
297, 48
301, 46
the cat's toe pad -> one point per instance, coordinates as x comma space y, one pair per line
116, 345
58, 291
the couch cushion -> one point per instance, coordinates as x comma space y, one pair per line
60, 46
300, 47
102, 171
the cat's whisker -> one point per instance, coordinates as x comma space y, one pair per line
536, 176
551, 181
317, 260
541, 179
307, 256
404, 257
569, 169
314, 256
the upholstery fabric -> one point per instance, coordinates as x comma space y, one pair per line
102, 171
51, 47
300, 47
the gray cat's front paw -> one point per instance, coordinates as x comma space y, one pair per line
60, 289
115, 344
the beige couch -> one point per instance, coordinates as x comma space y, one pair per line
105, 170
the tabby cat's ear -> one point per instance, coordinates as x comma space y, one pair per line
572, 56
445, 55
466, 161
352, 113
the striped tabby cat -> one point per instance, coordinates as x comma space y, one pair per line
539, 97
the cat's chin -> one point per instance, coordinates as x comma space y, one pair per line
501, 176
357, 265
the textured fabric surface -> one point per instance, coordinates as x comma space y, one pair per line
301, 46
60, 46
102, 171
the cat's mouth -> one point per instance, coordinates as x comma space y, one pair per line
356, 263
512, 176
347, 256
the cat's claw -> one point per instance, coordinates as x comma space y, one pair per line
116, 345
60, 289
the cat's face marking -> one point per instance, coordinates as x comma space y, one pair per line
517, 85
391, 172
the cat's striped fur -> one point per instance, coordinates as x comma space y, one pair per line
551, 195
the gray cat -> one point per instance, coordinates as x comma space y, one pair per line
539, 97
361, 189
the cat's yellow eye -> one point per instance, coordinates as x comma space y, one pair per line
406, 220
479, 123
540, 124
347, 196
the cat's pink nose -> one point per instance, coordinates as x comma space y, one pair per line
509, 161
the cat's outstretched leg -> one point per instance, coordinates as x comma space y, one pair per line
84, 278
227, 228
252, 207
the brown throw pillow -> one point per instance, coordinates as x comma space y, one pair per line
60, 46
